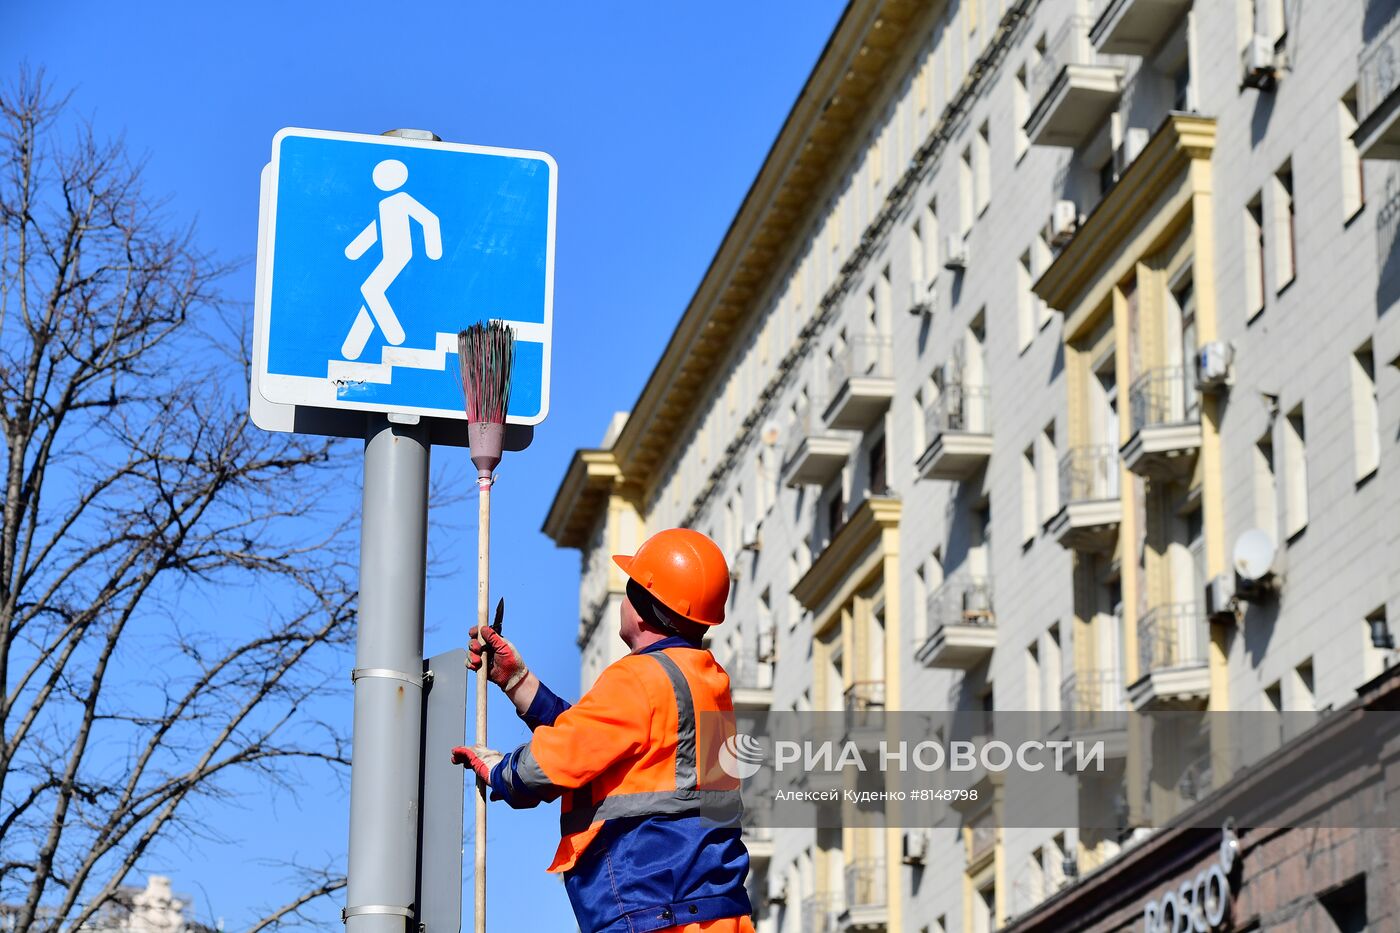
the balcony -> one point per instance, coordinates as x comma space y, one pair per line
861, 383
1091, 708
1173, 646
1088, 520
813, 455
1166, 423
750, 684
865, 710
963, 625
819, 913
1074, 89
1136, 27
866, 900
1378, 104
959, 434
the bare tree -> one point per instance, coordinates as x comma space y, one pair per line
170, 596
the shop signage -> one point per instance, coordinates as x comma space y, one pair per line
1200, 904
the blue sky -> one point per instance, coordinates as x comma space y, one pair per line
659, 116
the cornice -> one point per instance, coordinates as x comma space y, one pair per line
582, 497
811, 145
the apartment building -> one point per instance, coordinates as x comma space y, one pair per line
1049, 365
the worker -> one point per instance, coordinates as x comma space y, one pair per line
649, 823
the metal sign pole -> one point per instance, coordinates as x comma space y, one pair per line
388, 680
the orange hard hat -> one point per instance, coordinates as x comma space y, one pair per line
684, 570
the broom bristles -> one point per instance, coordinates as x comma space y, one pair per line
486, 352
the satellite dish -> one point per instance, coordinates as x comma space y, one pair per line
771, 433
1254, 554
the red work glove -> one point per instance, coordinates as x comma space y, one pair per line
479, 758
506, 669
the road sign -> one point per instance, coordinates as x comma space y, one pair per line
375, 251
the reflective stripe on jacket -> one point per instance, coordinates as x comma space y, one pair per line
649, 823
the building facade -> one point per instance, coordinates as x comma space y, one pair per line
1049, 365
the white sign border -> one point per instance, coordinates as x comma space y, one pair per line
281, 389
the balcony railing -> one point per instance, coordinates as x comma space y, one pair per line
805, 423
1172, 636
962, 599
1092, 699
819, 913
1379, 70
868, 355
1089, 474
959, 409
865, 883
1166, 395
1071, 46
747, 673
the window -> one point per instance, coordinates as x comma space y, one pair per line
835, 514
1029, 524
1020, 112
1365, 412
1353, 171
1295, 476
1286, 260
1040, 261
917, 276
1265, 486
1346, 906
1106, 174
1025, 303
1032, 678
929, 226
1048, 494
879, 481
984, 908
1055, 860
1304, 689
982, 165
1254, 256
966, 188
1053, 664
1035, 878
794, 611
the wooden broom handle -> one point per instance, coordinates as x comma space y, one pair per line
483, 565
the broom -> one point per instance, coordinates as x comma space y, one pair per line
486, 352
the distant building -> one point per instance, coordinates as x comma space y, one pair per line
1040, 320
152, 909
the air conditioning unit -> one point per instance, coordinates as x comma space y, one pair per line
752, 540
916, 845
955, 256
920, 299
1134, 141
1259, 64
1064, 221
1213, 365
1220, 597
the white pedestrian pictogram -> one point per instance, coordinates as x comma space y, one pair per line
392, 232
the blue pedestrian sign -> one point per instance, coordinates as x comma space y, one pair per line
375, 251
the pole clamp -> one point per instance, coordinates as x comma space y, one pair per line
415, 679
378, 909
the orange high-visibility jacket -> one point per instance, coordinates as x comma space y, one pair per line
641, 742
650, 824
